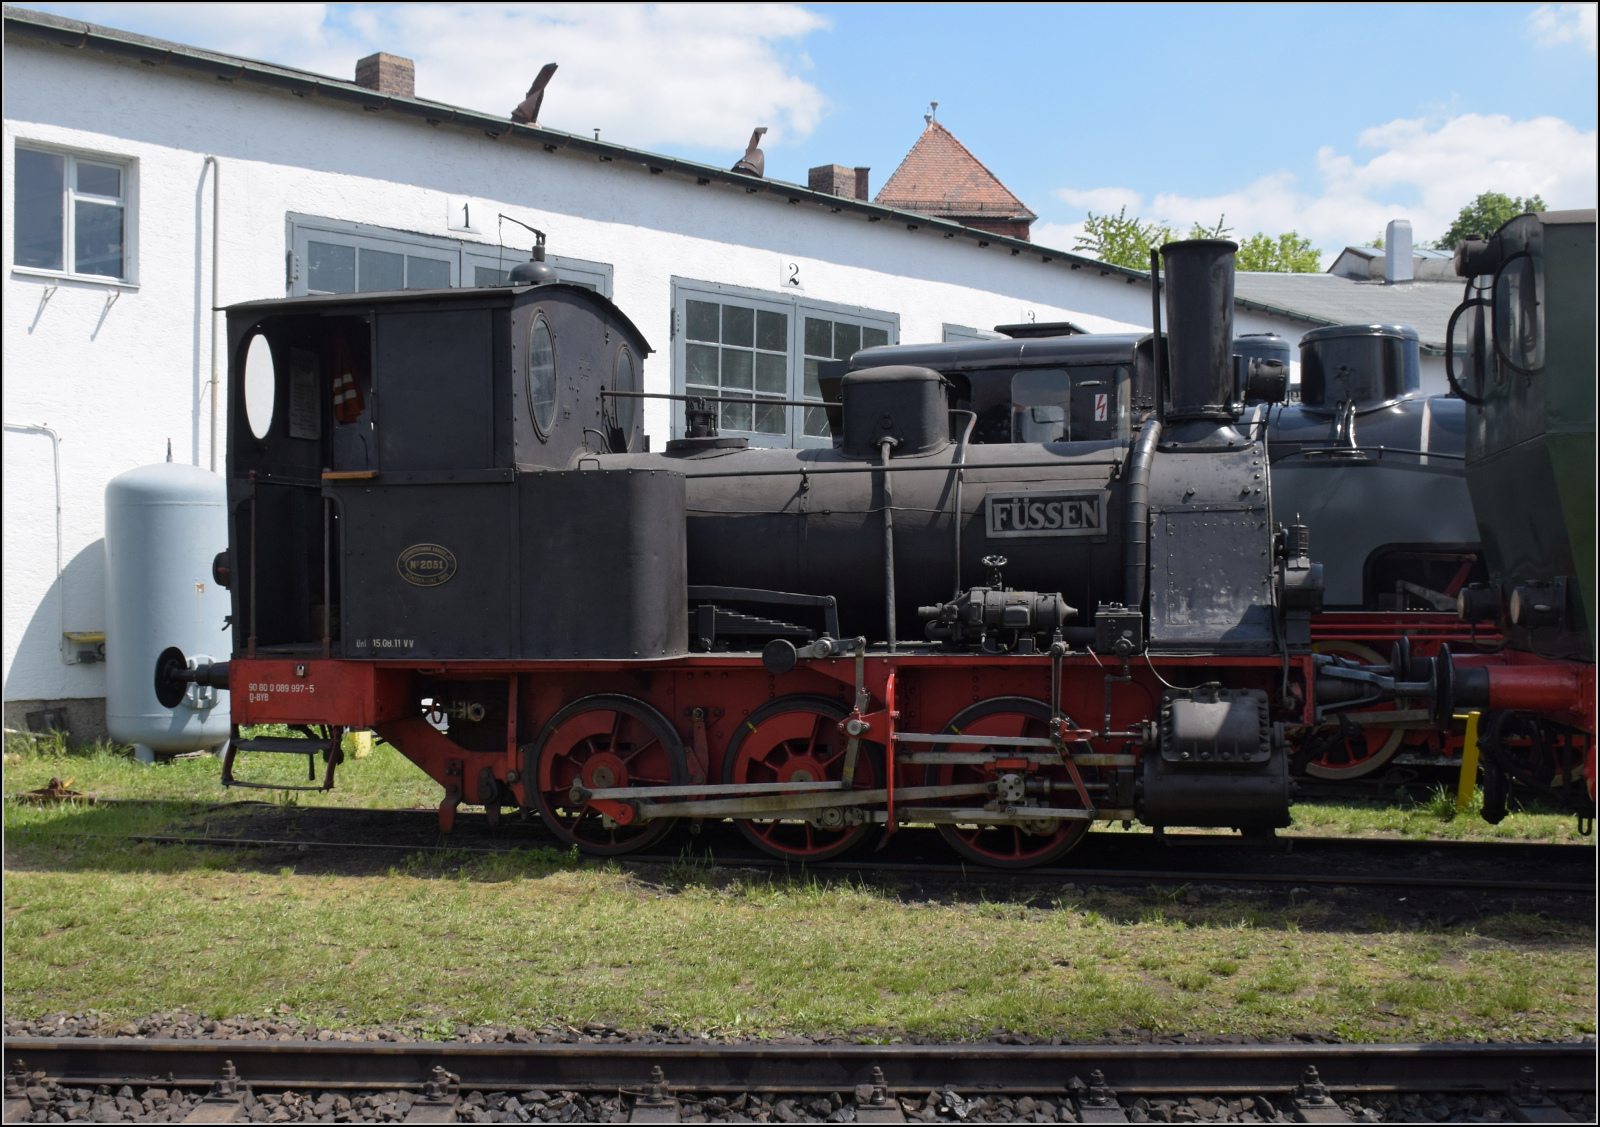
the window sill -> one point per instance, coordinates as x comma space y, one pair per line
81, 279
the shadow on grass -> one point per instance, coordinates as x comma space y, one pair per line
105, 838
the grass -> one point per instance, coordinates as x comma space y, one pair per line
384, 778
539, 936
1434, 815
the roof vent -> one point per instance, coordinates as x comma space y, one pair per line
754, 161
388, 74
1397, 266
527, 111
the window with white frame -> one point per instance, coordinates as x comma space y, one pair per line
71, 213
337, 256
738, 343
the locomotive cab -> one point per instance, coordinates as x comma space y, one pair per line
389, 476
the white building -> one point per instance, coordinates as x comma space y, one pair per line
119, 150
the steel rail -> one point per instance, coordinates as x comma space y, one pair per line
966, 871
1144, 1069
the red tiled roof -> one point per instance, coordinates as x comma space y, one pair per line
941, 177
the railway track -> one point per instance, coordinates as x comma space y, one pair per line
653, 1082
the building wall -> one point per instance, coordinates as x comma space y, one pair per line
119, 372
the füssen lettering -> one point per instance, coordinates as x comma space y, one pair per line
1047, 514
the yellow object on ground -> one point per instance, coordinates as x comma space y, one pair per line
1469, 764
358, 744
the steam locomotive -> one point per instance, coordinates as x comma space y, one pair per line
451, 532
1370, 465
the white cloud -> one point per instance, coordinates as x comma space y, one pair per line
1100, 200
1554, 24
647, 75
1439, 166
1061, 236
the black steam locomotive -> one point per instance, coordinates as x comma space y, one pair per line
450, 532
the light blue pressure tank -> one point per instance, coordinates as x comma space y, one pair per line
164, 525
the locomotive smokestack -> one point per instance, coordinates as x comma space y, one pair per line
1200, 377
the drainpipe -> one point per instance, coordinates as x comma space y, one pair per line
55, 459
216, 204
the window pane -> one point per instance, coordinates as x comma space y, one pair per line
541, 375
702, 364
738, 325
702, 318
624, 410
772, 331
770, 420
97, 239
819, 338
817, 423
772, 374
99, 180
736, 369
1041, 402
39, 209
846, 340
427, 273
380, 270
489, 276
331, 268
736, 416
575, 282
813, 388
873, 338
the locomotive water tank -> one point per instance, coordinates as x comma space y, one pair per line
163, 525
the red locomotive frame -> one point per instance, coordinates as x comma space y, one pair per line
584, 724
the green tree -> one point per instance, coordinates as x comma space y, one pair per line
1286, 254
1217, 232
1121, 241
1125, 241
1485, 215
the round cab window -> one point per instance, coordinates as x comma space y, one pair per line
626, 408
541, 376
260, 386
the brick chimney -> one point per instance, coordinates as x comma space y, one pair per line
837, 180
388, 74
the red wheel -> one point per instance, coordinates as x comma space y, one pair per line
1353, 758
1007, 846
797, 739
603, 741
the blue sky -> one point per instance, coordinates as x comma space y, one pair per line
1329, 119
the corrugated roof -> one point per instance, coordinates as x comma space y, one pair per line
1416, 252
1425, 306
940, 176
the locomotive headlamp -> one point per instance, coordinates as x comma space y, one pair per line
1478, 603
1477, 257
1536, 604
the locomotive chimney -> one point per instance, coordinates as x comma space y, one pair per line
1200, 380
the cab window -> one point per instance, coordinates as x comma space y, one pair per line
1079, 404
